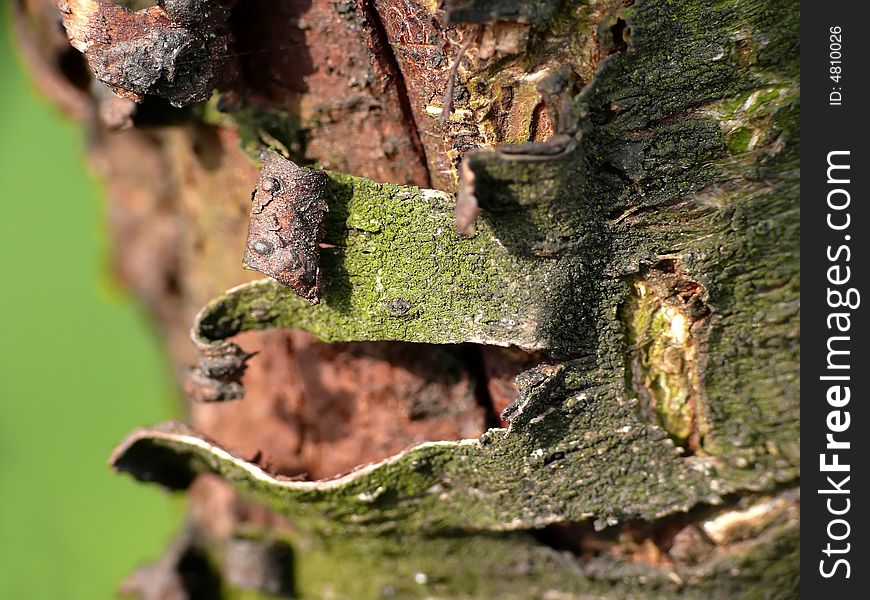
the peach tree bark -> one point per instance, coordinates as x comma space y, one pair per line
556, 350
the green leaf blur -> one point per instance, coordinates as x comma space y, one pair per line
79, 368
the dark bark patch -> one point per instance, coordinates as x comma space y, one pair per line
619, 35
680, 541
74, 67
184, 571
491, 11
179, 50
218, 374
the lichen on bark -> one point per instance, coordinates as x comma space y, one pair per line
396, 269
658, 199
677, 177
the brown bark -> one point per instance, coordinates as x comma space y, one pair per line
607, 156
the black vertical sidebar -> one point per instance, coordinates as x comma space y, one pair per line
835, 235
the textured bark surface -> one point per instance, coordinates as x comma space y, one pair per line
634, 166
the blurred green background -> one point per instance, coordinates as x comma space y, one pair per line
79, 368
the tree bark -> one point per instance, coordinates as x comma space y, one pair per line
589, 389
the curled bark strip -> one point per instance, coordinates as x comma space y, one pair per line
394, 268
467, 206
572, 452
179, 50
532, 195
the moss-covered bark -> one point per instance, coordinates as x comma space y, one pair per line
396, 269
688, 194
649, 249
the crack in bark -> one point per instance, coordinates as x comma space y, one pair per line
474, 361
384, 50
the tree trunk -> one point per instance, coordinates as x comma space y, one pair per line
588, 389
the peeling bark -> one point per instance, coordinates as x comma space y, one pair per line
627, 178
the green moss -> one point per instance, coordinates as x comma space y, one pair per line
399, 244
688, 153
231, 593
738, 140
390, 529
655, 174
663, 356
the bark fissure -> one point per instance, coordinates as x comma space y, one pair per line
475, 361
384, 51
